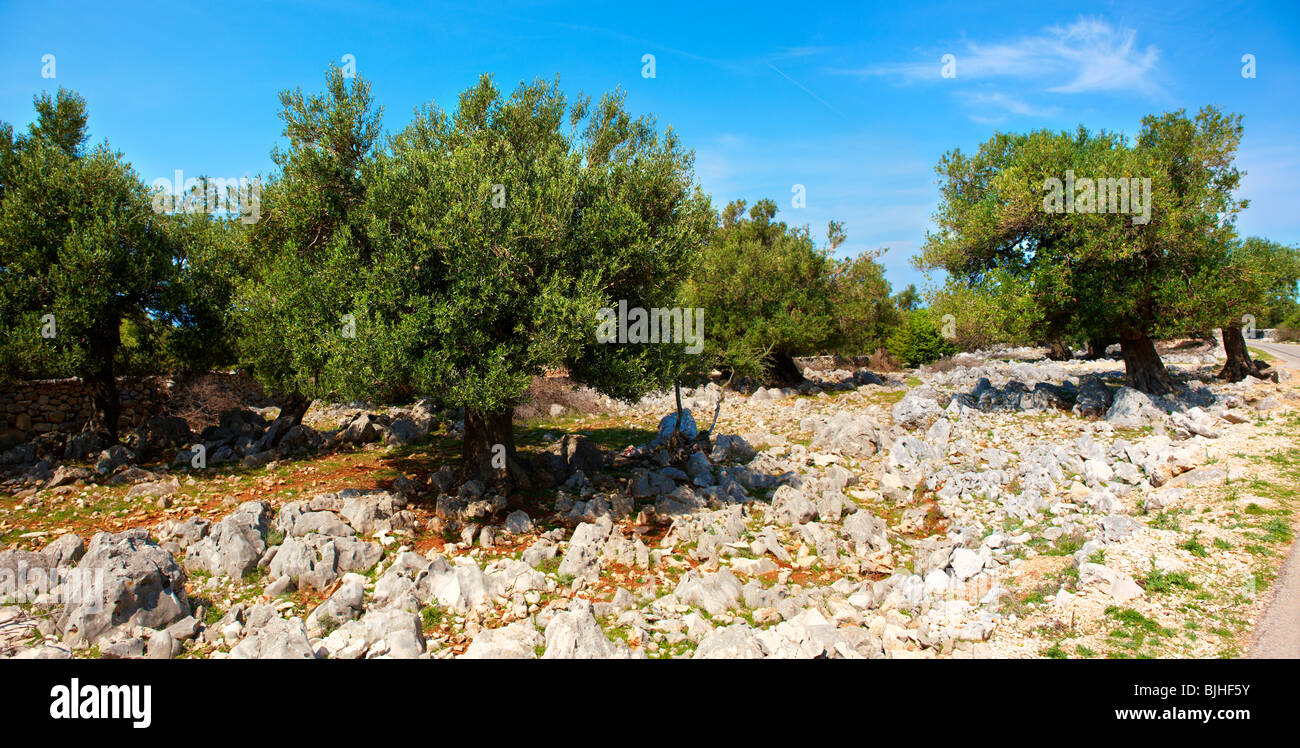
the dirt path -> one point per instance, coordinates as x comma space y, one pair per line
1278, 634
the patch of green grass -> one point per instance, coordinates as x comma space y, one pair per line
1260, 355
431, 616
549, 565
1055, 652
1160, 581
1135, 620
1134, 632
1167, 520
1194, 546
1066, 545
1273, 490
1278, 530
889, 397
212, 614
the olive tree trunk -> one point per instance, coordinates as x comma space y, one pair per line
1097, 348
488, 452
105, 402
1057, 350
293, 406
1142, 365
1239, 364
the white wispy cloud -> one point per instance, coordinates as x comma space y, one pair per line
992, 107
1089, 55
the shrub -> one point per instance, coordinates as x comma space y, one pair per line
918, 341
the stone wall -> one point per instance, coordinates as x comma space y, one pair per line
35, 407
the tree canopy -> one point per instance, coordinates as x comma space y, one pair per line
80, 250
767, 289
1114, 249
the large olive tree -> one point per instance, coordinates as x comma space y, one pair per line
500, 230
1099, 266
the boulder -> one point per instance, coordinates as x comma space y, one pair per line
731, 448
915, 410
277, 639
404, 431
154, 490
714, 593
234, 545
123, 580
575, 634
315, 561
111, 458
86, 443
388, 633
161, 434
579, 453
734, 642
688, 429
1132, 408
582, 560
517, 641
1093, 398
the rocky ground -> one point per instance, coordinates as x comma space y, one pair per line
993, 507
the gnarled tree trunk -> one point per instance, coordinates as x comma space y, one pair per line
1142, 365
105, 402
1097, 347
1239, 364
488, 453
293, 407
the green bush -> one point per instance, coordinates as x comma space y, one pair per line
1289, 328
917, 341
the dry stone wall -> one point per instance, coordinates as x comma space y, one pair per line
35, 407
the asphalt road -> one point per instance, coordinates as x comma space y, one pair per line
1289, 353
1278, 633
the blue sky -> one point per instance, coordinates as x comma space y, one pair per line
847, 100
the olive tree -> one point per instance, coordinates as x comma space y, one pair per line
1107, 233
311, 244
503, 232
80, 250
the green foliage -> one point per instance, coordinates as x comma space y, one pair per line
310, 242
918, 341
1160, 581
198, 316
863, 311
506, 231
431, 616
766, 289
1160, 268
1194, 546
468, 251
998, 308
78, 241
